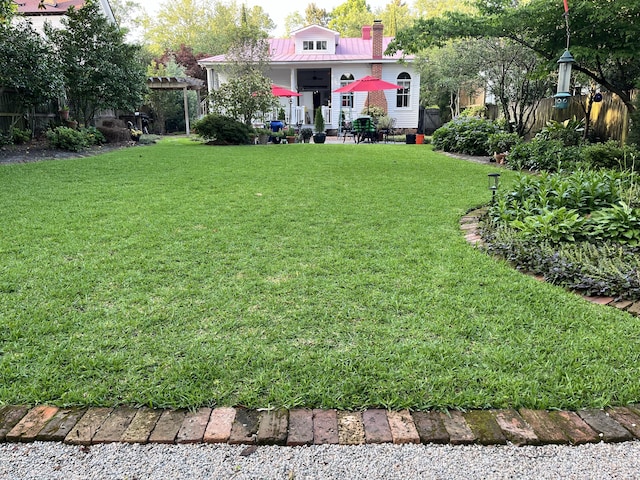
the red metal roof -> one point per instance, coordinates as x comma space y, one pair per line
348, 49
57, 7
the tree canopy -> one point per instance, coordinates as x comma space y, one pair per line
207, 26
26, 65
100, 70
349, 17
604, 35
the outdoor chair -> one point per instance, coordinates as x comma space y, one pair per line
364, 129
347, 130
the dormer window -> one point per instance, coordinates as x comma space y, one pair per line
321, 45
308, 45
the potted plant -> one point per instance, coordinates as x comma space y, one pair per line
320, 135
276, 137
290, 133
263, 135
64, 113
306, 134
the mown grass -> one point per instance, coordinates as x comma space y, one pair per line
300, 275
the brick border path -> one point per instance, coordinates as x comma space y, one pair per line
297, 427
469, 224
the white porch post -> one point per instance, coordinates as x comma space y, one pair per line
186, 110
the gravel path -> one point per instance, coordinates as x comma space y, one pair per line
54, 461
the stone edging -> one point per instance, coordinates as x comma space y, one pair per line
469, 224
297, 427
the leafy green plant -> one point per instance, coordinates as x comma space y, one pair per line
619, 223
611, 155
19, 136
541, 154
568, 132
222, 130
93, 136
502, 142
474, 111
374, 111
67, 138
467, 135
306, 133
556, 226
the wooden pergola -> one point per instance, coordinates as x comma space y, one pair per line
178, 83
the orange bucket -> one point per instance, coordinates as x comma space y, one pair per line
419, 138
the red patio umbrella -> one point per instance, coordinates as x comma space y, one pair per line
367, 84
279, 91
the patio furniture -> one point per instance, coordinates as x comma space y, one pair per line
364, 129
347, 130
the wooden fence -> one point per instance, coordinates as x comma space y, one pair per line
609, 118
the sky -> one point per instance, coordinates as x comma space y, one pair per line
277, 9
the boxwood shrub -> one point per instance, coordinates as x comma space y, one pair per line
221, 130
468, 135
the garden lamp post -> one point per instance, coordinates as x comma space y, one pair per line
494, 182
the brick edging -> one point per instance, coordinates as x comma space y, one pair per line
302, 426
469, 225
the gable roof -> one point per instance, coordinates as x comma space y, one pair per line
283, 50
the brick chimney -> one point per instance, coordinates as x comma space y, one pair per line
377, 28
366, 32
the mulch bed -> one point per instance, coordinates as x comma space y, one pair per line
39, 150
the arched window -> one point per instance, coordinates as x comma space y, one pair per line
346, 99
402, 97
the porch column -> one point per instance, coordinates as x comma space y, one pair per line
186, 109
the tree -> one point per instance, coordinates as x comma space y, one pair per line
605, 35
450, 69
349, 17
292, 22
436, 8
395, 16
100, 71
128, 14
27, 66
247, 92
206, 26
315, 15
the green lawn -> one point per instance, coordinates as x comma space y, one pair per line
283, 275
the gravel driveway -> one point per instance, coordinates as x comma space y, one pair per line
54, 461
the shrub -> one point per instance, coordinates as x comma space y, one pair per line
221, 130
619, 223
568, 132
67, 138
475, 111
611, 155
469, 135
115, 134
502, 142
19, 136
93, 136
540, 154
374, 111
319, 121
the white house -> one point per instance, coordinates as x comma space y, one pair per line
315, 61
53, 11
